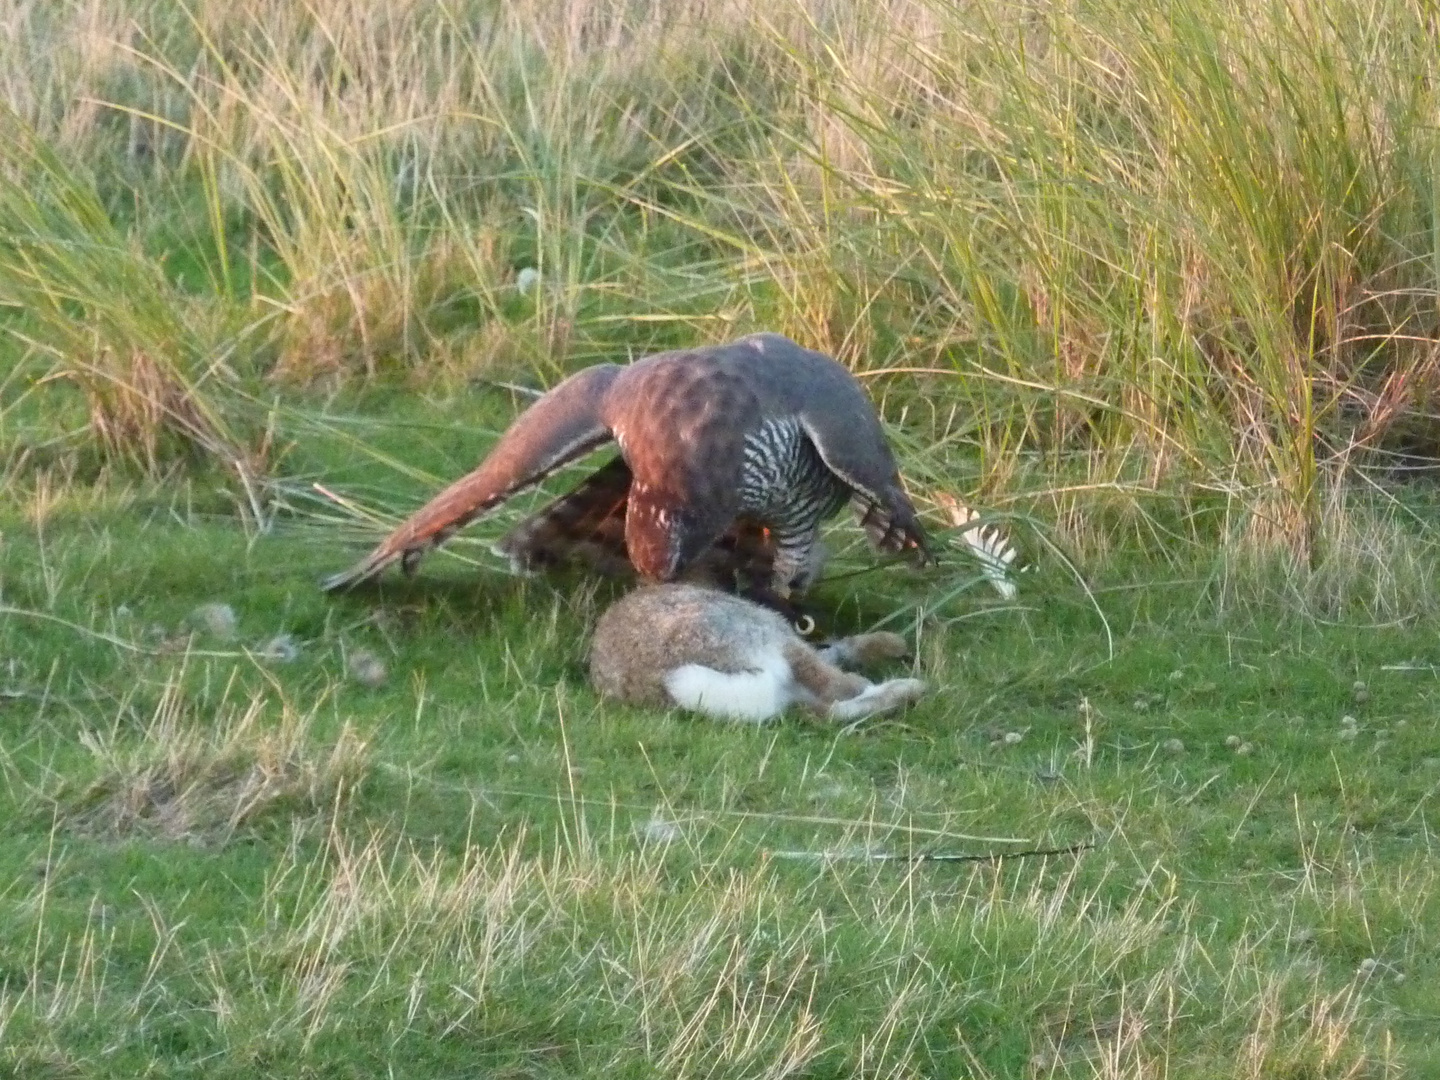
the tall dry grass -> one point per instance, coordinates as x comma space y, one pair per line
1123, 248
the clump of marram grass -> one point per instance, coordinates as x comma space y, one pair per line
198, 778
1370, 557
104, 319
1163, 280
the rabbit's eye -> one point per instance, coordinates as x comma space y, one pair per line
804, 626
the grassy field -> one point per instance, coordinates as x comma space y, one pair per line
1153, 284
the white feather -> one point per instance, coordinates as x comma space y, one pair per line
991, 548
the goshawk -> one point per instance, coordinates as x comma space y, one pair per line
733, 452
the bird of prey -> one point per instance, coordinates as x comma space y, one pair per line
587, 526
734, 451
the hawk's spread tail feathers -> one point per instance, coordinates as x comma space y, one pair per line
585, 526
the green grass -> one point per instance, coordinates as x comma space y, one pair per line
1154, 283
215, 863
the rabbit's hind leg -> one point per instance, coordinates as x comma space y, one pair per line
860, 649
878, 698
818, 681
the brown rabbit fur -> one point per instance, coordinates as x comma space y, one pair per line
730, 658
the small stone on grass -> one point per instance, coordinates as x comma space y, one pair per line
1173, 746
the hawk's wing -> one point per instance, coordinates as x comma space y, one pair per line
837, 416
561, 426
847, 435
